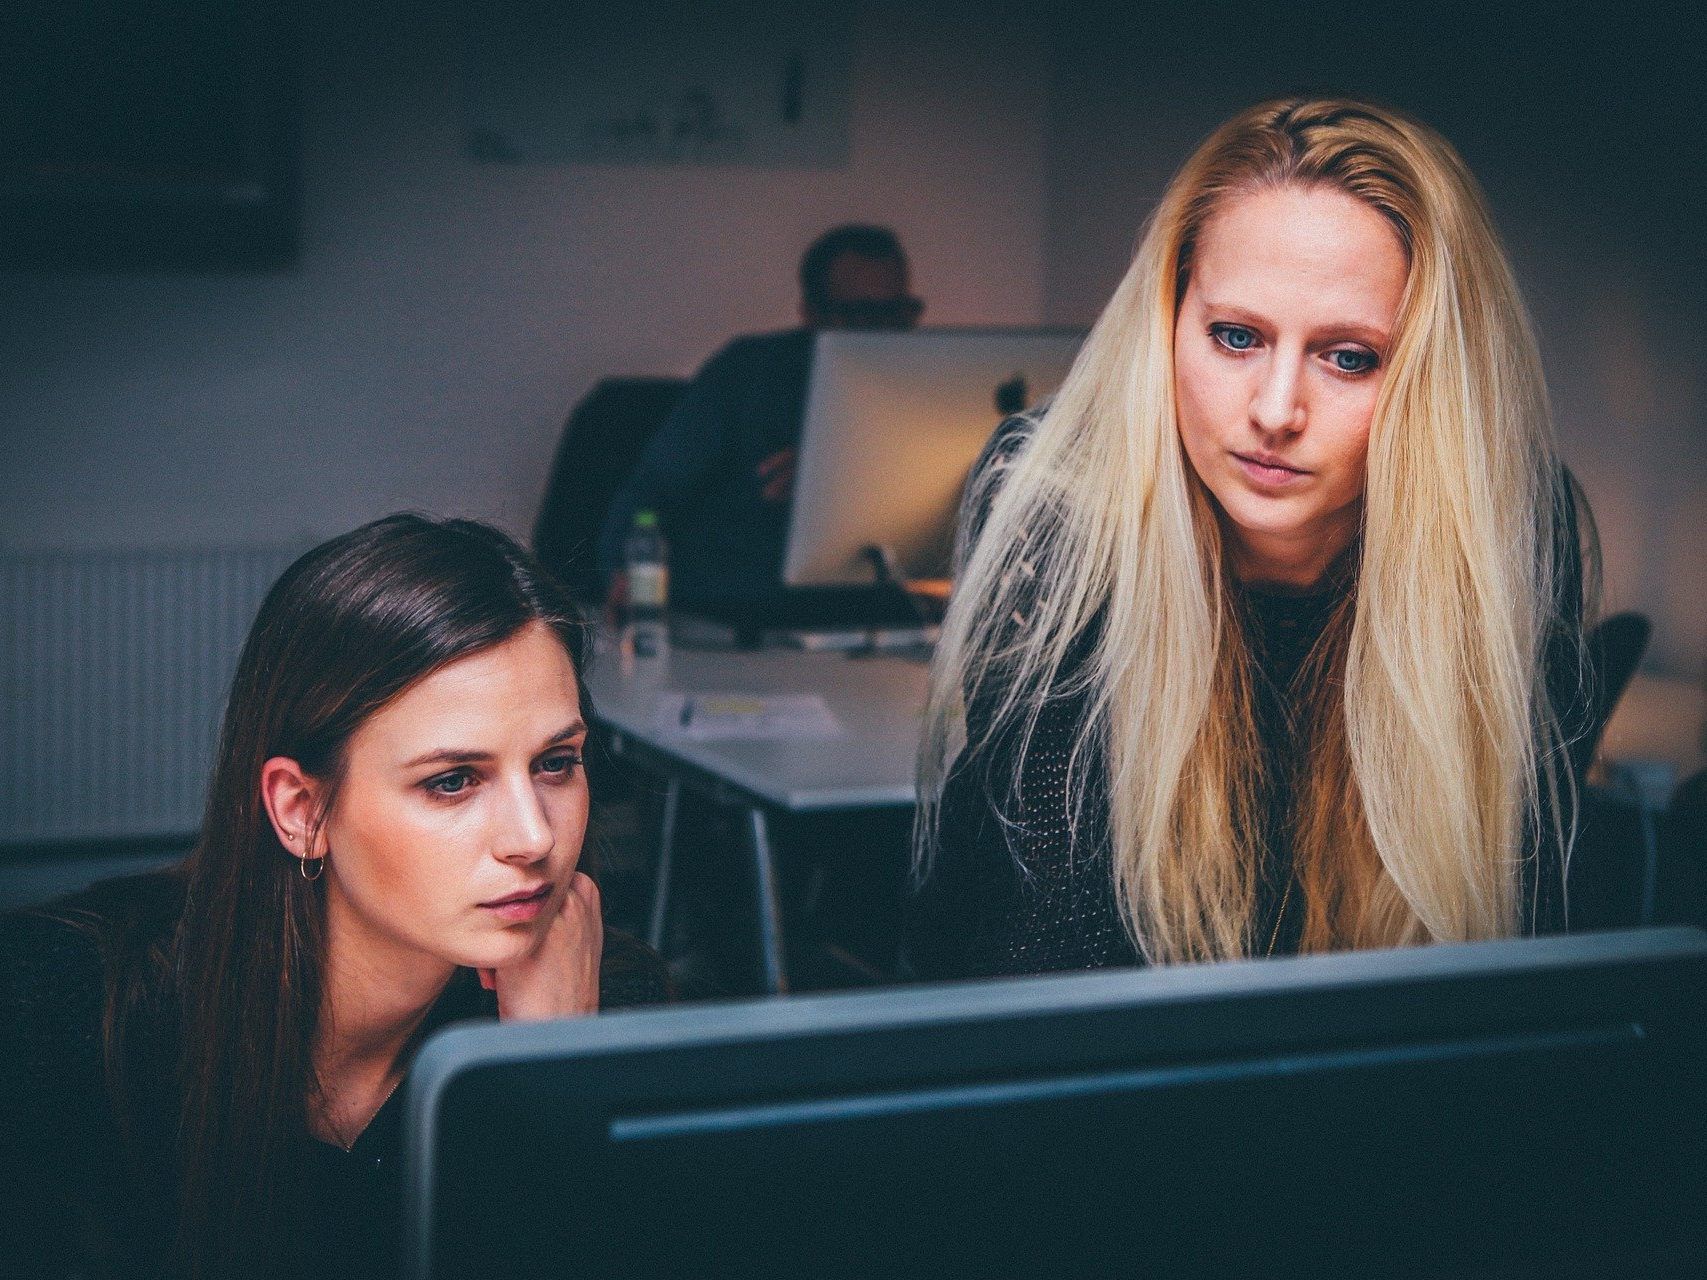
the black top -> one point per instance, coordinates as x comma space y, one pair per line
77, 1198
979, 915
700, 472
1012, 891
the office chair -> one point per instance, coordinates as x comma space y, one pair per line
601, 443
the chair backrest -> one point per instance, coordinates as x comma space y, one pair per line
601, 443
1615, 647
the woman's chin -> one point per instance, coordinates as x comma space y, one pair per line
498, 952
1267, 521
1282, 516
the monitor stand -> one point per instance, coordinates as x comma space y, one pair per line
896, 619
881, 616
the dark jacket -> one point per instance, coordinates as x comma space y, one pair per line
700, 472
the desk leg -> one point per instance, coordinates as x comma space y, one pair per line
666, 850
770, 909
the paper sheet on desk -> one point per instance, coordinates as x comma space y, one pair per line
715, 717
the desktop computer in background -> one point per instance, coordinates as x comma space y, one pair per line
894, 422
1528, 1108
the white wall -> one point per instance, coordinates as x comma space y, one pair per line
445, 315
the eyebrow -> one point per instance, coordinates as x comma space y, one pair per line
1348, 328
453, 755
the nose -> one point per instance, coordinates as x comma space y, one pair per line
524, 833
1277, 404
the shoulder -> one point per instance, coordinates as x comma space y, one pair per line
762, 352
57, 962
999, 453
1576, 547
50, 965
1567, 652
987, 475
53, 997
1008, 442
61, 949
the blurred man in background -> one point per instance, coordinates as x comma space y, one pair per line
720, 471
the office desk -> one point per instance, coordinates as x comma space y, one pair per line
878, 701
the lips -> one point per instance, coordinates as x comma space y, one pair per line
1268, 471
1271, 461
521, 907
520, 895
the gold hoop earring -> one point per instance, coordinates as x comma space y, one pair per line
319, 867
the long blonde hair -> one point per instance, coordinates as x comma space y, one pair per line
1434, 753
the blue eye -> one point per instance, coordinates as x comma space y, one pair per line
560, 765
448, 784
1235, 337
1346, 360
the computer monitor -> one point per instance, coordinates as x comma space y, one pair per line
894, 422
1531, 1107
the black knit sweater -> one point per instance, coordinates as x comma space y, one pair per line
1032, 899
81, 1197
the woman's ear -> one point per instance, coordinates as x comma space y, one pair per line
293, 800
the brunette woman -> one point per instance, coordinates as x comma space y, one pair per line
201, 1066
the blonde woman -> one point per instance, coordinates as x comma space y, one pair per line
1266, 637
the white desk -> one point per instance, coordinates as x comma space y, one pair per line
878, 700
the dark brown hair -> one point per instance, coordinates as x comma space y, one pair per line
856, 238
347, 628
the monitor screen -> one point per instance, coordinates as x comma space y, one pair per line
1508, 1108
894, 422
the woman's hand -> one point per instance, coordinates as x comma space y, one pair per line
560, 977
